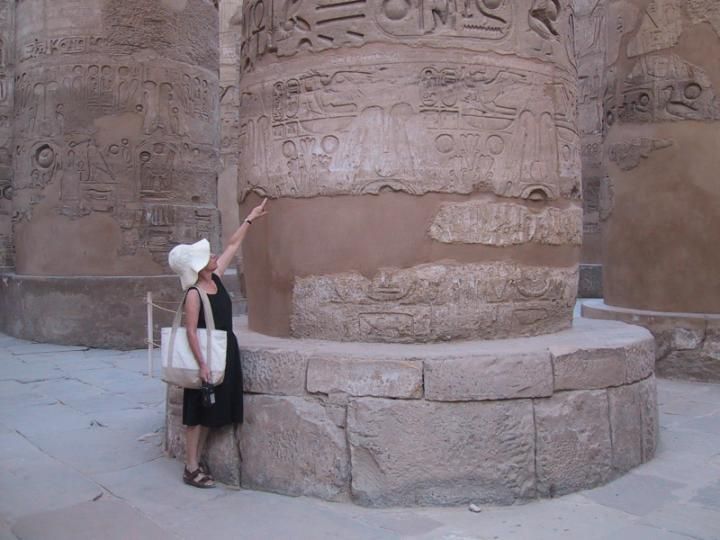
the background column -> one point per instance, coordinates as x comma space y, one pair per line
116, 160
663, 152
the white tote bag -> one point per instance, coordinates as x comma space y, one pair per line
179, 366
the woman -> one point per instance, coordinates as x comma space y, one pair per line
200, 269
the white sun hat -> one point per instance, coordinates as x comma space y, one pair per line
186, 260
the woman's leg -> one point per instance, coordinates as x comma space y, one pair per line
192, 440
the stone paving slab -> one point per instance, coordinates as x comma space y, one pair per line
687, 519
99, 449
88, 521
635, 493
44, 484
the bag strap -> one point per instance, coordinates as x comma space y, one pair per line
209, 324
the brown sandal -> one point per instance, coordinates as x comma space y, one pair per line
205, 470
198, 479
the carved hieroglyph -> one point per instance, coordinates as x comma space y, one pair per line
7, 32
427, 123
102, 128
445, 127
435, 302
530, 28
629, 154
351, 99
506, 224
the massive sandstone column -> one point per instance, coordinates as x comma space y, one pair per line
423, 161
116, 159
7, 55
230, 13
422, 158
662, 117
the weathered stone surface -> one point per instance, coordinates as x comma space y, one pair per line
692, 365
419, 452
365, 377
684, 339
660, 28
590, 281
7, 77
705, 11
573, 441
626, 426
588, 370
541, 33
649, 416
289, 445
268, 371
506, 224
487, 377
434, 302
639, 360
629, 155
222, 454
174, 429
91, 311
674, 333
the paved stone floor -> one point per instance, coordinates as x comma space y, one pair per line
81, 458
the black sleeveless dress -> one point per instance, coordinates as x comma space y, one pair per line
228, 407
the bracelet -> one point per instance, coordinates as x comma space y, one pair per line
248, 222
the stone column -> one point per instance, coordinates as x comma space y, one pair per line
424, 165
230, 14
7, 55
116, 160
663, 151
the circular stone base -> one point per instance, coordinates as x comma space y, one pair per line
481, 421
688, 344
95, 311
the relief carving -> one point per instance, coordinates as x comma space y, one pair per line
661, 28
434, 302
704, 11
290, 27
628, 155
56, 99
506, 224
665, 87
462, 132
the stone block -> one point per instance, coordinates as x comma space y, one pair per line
685, 339
365, 377
223, 456
711, 345
649, 417
269, 371
587, 369
693, 365
501, 376
573, 441
639, 360
291, 446
625, 426
590, 281
428, 453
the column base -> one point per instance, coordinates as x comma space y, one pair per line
441, 424
688, 344
590, 284
95, 311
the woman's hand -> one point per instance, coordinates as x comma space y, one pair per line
258, 211
204, 372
